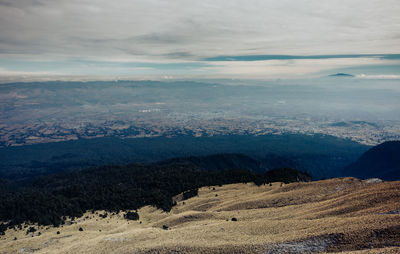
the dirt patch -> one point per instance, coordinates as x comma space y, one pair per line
310, 245
378, 238
373, 180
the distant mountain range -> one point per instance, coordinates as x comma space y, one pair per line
381, 161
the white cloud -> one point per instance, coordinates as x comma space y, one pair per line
289, 68
187, 31
383, 76
5, 72
158, 30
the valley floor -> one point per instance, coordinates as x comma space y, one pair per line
344, 215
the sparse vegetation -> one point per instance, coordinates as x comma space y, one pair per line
131, 216
31, 230
190, 193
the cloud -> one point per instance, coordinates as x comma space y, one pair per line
157, 29
261, 69
382, 76
181, 31
6, 72
289, 57
292, 68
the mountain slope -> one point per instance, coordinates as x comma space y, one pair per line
382, 161
325, 216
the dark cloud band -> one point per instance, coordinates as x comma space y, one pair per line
291, 57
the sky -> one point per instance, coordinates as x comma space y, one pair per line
183, 38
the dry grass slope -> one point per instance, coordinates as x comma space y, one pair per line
338, 215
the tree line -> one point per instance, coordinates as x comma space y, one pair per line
48, 200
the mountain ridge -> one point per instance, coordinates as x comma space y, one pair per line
321, 155
381, 161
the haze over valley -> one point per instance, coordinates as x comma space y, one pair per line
365, 111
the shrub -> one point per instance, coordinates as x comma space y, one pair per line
30, 230
132, 216
190, 193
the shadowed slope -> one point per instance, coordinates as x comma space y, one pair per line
382, 161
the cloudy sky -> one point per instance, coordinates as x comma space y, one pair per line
184, 38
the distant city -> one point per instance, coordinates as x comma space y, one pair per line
34, 133
35, 113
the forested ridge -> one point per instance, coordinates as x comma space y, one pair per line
47, 200
321, 155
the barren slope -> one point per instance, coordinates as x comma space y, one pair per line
325, 216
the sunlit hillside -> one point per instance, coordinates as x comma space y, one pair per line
325, 216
